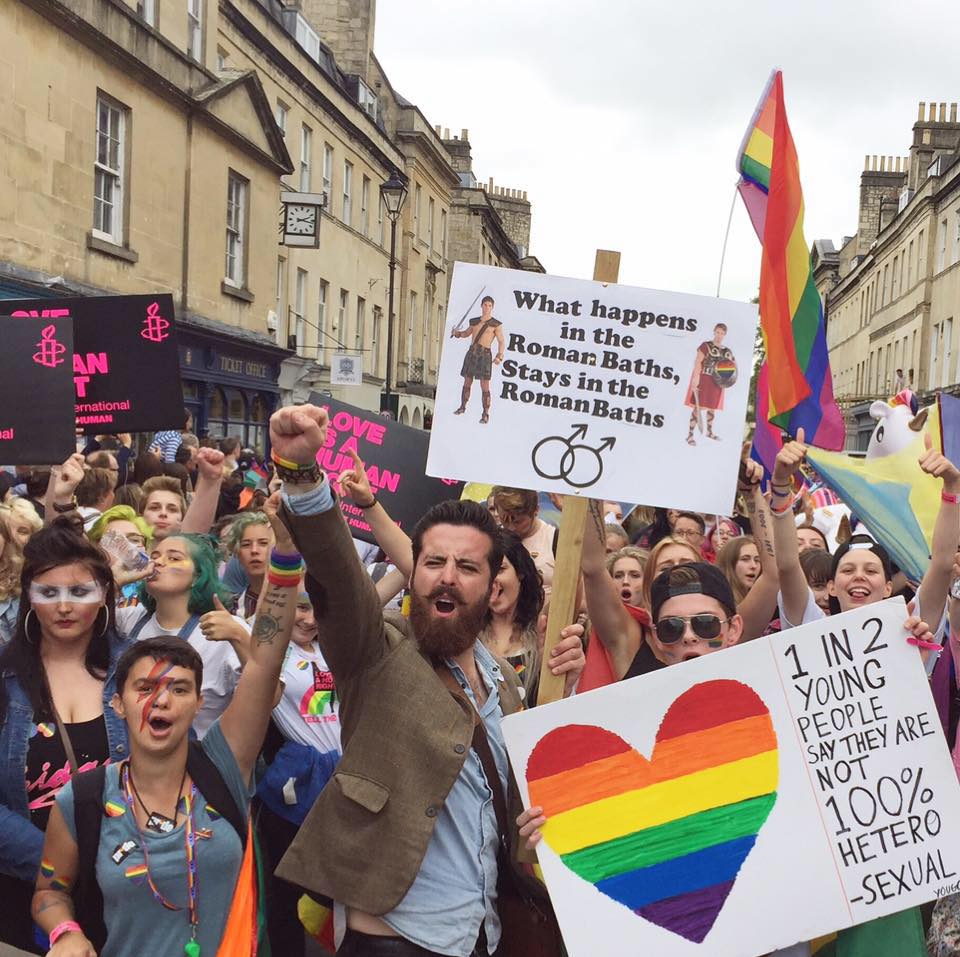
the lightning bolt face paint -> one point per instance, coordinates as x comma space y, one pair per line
158, 681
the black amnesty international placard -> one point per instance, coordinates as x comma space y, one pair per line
36, 386
395, 457
126, 369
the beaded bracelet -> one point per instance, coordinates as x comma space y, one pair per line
285, 570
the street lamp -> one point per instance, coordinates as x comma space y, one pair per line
392, 193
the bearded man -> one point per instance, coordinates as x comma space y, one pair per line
409, 833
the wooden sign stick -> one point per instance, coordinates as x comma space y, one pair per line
566, 575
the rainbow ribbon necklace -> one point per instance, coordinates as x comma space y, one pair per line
192, 947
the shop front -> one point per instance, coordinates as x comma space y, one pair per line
230, 381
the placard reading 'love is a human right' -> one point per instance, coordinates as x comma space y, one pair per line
747, 800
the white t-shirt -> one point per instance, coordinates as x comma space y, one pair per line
309, 710
221, 666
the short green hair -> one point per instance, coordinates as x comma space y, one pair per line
119, 513
206, 581
240, 524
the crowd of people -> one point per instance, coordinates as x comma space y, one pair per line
218, 711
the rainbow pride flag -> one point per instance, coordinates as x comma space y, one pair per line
665, 837
791, 316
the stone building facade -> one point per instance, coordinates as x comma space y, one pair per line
891, 292
146, 146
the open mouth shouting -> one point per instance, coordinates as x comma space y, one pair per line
160, 727
445, 601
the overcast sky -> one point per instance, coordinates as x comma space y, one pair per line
622, 118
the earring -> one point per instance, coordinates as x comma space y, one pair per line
26, 627
106, 620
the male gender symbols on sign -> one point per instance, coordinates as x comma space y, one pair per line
560, 459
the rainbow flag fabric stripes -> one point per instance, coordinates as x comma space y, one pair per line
665, 837
791, 317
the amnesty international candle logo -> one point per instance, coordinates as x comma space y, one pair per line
50, 352
566, 386
155, 326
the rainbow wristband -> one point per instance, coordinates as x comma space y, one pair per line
66, 927
288, 463
285, 570
783, 509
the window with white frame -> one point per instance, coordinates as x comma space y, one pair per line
235, 271
380, 227
956, 237
109, 170
195, 29
306, 143
322, 320
307, 37
360, 330
375, 341
147, 11
942, 255
328, 172
443, 233
343, 319
411, 326
278, 305
893, 280
283, 111
417, 202
431, 211
348, 192
222, 57
365, 206
300, 309
910, 265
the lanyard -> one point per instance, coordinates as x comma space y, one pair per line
190, 843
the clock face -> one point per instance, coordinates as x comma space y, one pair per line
301, 220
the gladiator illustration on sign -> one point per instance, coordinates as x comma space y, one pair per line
478, 363
714, 370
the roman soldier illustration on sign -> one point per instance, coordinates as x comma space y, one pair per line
714, 370
483, 330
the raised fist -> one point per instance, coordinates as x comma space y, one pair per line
298, 432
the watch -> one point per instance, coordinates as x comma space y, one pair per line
63, 509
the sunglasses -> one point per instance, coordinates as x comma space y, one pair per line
706, 627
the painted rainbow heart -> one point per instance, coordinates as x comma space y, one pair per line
664, 837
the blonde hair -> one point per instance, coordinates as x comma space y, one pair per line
163, 483
649, 571
11, 557
23, 510
628, 551
727, 559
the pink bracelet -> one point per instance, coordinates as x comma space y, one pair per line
926, 645
950, 498
65, 927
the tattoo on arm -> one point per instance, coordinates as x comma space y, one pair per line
598, 525
266, 628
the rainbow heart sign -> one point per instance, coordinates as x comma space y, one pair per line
665, 837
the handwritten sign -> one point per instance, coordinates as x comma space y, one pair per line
36, 384
746, 800
579, 387
395, 456
126, 369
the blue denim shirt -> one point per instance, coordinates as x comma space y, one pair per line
455, 890
21, 843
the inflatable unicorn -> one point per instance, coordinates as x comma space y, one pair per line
898, 423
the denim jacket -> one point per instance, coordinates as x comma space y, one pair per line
21, 843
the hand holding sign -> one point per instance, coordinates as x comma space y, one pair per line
297, 433
355, 484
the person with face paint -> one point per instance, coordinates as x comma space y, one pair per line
57, 677
169, 860
861, 570
183, 587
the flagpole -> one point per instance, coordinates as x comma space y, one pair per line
726, 237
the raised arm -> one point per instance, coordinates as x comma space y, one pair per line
390, 537
794, 590
52, 903
345, 603
203, 508
619, 634
244, 723
61, 489
946, 536
761, 601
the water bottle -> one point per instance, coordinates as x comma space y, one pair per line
132, 558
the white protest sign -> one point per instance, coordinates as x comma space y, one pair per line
579, 387
346, 369
747, 800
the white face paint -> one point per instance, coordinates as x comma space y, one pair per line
84, 593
